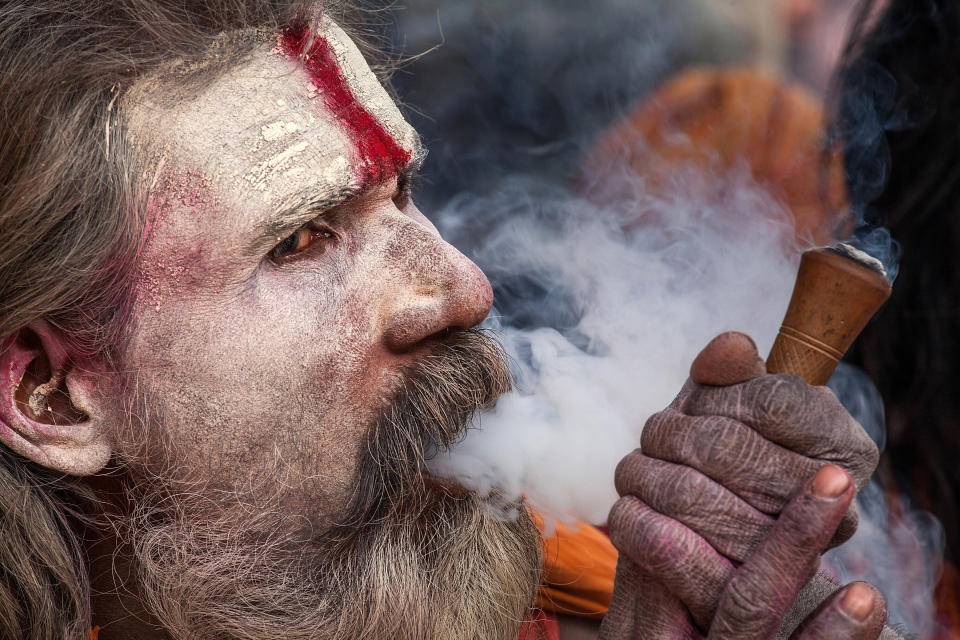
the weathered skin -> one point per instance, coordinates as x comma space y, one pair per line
726, 512
225, 335
269, 369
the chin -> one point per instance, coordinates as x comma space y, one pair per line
455, 567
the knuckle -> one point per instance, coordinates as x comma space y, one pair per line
869, 453
743, 613
832, 413
779, 398
627, 471
664, 547
722, 443
690, 493
651, 540
625, 516
859, 456
656, 429
861, 466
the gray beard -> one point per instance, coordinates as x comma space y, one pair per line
407, 559
447, 568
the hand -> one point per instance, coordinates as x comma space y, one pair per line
723, 460
735, 445
671, 584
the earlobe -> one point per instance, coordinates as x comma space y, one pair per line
47, 413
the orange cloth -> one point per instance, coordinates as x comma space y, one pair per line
94, 632
720, 120
579, 564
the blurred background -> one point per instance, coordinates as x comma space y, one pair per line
526, 85
635, 176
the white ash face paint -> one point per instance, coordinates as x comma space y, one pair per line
268, 373
369, 93
276, 130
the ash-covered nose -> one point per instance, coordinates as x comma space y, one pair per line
439, 290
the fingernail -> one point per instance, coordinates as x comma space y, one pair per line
857, 602
830, 481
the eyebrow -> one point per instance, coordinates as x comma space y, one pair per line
307, 205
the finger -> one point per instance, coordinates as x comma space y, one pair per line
762, 590
805, 419
729, 358
620, 622
663, 615
787, 411
688, 388
641, 608
762, 473
673, 555
856, 612
727, 523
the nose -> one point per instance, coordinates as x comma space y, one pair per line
434, 288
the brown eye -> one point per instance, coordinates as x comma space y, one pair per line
298, 241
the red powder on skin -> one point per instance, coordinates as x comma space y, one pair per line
189, 190
380, 157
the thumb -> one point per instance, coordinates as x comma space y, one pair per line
730, 358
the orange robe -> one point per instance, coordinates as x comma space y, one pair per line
579, 564
718, 120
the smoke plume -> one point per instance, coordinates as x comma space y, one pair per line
601, 322
603, 302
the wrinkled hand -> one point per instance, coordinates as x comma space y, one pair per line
735, 445
721, 463
671, 585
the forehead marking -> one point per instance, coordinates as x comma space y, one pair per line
380, 157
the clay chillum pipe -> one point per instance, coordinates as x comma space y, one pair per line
838, 289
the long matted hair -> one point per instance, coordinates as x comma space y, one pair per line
71, 224
897, 100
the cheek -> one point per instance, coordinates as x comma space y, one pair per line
177, 252
284, 376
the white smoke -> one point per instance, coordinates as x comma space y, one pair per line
609, 303
604, 302
896, 547
646, 299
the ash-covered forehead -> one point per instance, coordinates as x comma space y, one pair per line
302, 116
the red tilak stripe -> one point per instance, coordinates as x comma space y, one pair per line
380, 157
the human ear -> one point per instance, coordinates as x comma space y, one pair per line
48, 408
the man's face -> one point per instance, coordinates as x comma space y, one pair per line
271, 345
294, 349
